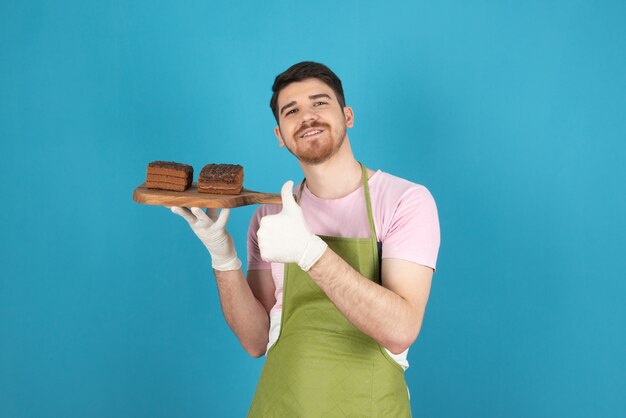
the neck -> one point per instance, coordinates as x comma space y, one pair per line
337, 177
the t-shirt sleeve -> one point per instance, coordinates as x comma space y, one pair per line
413, 232
255, 262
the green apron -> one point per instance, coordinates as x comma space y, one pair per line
322, 365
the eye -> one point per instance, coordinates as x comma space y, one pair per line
319, 103
289, 112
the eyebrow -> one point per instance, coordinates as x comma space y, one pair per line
313, 97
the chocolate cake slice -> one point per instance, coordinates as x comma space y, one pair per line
168, 175
221, 179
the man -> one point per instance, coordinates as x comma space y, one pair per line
338, 276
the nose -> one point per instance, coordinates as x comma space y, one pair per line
307, 116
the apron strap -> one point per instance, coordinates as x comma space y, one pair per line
370, 216
299, 195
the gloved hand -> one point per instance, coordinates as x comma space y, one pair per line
286, 238
211, 230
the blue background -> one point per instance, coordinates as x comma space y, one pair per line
511, 113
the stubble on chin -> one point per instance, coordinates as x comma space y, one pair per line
319, 151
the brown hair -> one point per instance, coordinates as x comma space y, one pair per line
302, 71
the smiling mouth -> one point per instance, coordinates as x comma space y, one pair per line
311, 133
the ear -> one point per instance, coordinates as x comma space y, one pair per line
349, 116
279, 136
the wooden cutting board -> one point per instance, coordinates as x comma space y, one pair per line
192, 198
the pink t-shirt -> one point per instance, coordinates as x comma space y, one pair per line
405, 218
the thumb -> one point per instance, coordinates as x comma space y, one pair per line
286, 193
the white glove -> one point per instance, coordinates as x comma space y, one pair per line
211, 230
285, 237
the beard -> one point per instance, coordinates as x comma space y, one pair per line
318, 150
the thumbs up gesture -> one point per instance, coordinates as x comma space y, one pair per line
286, 238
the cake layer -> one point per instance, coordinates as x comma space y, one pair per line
170, 168
166, 186
168, 179
219, 188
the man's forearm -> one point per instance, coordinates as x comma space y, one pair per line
245, 315
376, 311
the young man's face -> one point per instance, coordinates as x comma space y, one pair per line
311, 123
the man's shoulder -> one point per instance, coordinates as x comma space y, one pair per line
389, 186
